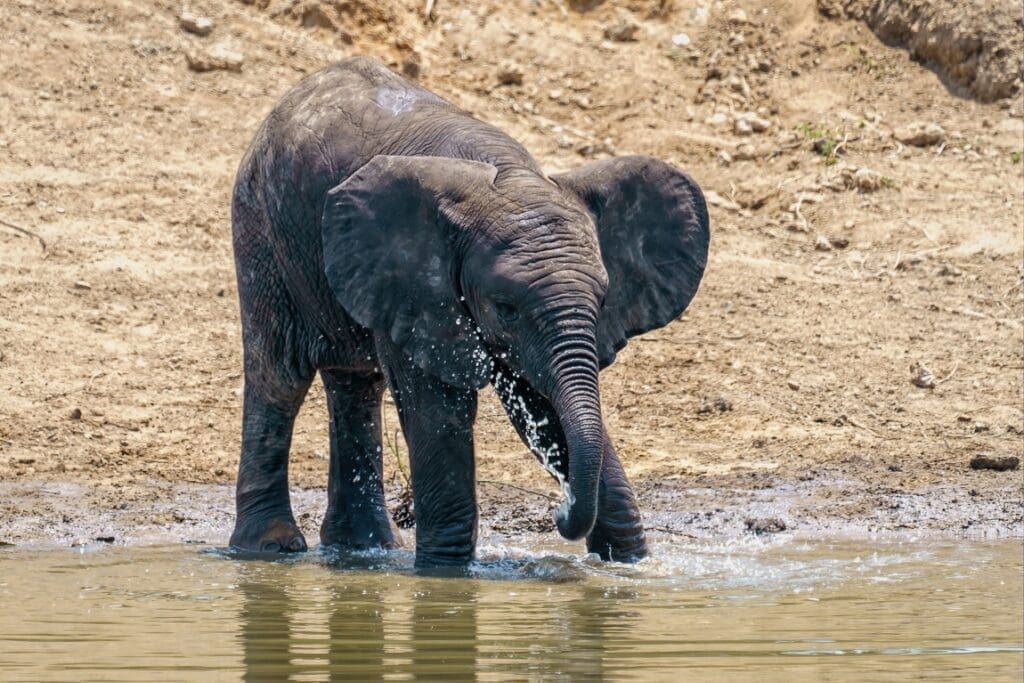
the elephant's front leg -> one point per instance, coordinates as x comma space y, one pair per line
357, 516
618, 533
437, 419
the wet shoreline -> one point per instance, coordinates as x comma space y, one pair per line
41, 513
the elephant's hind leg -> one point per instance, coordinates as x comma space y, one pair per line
277, 376
265, 521
357, 516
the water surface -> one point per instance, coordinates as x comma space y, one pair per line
751, 609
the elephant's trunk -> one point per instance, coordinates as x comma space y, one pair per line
576, 399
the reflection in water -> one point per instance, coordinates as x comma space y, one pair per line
443, 635
355, 633
437, 630
266, 634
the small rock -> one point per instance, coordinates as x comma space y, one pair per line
105, 539
746, 152
742, 127
839, 242
590, 149
582, 101
793, 385
412, 66
738, 16
766, 525
920, 134
680, 40
998, 463
866, 180
719, 405
217, 58
749, 121
510, 74
716, 119
822, 243
76, 414
201, 26
922, 377
623, 31
82, 284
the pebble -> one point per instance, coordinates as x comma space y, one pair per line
738, 16
921, 376
680, 40
746, 152
217, 58
749, 122
767, 525
412, 66
997, 463
920, 134
716, 119
623, 31
200, 26
867, 180
510, 74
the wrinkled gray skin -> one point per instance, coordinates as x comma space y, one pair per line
382, 235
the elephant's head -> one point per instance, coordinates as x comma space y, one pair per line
463, 267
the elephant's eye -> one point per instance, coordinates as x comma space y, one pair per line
507, 313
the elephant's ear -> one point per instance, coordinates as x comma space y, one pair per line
388, 233
652, 223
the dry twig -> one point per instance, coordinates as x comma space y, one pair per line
24, 231
524, 489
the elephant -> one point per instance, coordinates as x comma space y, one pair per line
384, 237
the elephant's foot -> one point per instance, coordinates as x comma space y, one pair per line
617, 545
359, 532
275, 535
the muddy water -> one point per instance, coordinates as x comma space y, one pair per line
777, 609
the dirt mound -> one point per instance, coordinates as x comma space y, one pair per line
975, 44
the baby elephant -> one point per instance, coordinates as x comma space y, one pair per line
382, 235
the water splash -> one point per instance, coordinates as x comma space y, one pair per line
550, 455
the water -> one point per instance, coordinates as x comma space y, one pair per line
752, 609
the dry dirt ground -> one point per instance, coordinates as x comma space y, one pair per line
841, 257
